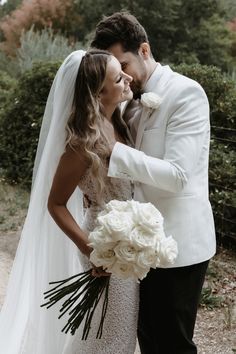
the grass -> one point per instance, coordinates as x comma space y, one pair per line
209, 297
13, 206
209, 300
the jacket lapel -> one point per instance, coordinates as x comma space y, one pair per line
146, 112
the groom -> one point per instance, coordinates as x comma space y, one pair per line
169, 166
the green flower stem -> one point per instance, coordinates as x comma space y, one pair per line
79, 312
88, 322
55, 295
83, 274
72, 299
104, 310
84, 295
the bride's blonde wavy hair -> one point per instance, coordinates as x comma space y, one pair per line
85, 132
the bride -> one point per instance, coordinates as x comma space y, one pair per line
81, 121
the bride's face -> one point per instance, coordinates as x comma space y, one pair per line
116, 86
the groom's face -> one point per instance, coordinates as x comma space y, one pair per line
133, 65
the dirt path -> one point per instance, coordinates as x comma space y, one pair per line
215, 329
8, 244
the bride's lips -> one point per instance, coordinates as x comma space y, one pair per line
127, 90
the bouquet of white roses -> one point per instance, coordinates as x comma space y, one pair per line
128, 240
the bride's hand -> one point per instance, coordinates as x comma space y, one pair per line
99, 272
85, 249
96, 271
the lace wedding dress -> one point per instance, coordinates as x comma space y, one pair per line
120, 325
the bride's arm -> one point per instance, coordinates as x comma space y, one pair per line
71, 168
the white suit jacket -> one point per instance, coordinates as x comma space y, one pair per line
169, 164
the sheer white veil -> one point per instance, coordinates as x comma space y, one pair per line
44, 253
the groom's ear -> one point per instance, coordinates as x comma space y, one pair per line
144, 50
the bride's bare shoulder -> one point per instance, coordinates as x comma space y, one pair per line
75, 154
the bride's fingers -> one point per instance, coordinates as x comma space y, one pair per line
99, 272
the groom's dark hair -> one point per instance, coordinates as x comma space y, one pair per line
121, 27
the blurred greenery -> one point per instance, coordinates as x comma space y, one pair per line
222, 172
36, 46
13, 205
220, 90
21, 118
9, 65
42, 46
8, 7
7, 84
229, 7
180, 31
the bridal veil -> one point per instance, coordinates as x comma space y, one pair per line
44, 253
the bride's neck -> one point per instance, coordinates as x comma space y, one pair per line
108, 112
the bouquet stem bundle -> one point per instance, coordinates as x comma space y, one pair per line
85, 293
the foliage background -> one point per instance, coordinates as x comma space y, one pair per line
179, 30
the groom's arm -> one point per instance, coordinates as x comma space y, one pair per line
185, 140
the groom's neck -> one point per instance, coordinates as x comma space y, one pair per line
151, 66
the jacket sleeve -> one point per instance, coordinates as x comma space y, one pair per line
186, 132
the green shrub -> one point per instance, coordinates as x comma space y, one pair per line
43, 46
9, 65
220, 91
7, 84
222, 172
21, 121
36, 46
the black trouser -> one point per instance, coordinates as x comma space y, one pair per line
169, 300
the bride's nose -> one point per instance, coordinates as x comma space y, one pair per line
128, 78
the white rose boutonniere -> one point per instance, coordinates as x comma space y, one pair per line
151, 100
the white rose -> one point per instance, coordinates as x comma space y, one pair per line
99, 237
151, 100
148, 216
139, 272
117, 205
125, 252
147, 258
122, 270
141, 238
118, 224
103, 259
168, 251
